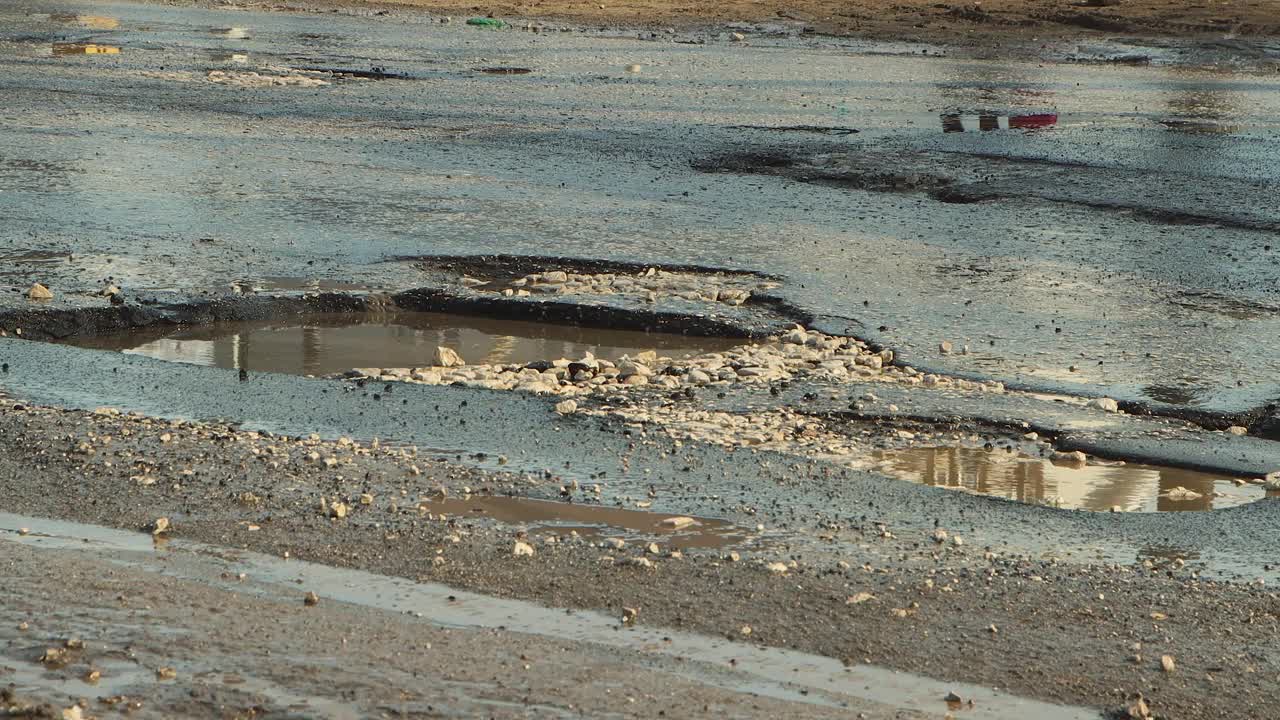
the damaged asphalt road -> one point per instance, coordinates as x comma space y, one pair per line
1151, 290
1086, 229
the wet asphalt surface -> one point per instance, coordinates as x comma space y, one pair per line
1132, 240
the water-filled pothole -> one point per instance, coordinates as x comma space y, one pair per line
82, 48
592, 521
328, 343
1132, 487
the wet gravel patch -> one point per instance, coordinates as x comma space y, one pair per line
933, 598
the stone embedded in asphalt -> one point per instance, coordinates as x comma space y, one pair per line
311, 599
678, 523
1180, 493
1074, 457
1105, 403
1137, 708
39, 292
522, 549
777, 568
1167, 664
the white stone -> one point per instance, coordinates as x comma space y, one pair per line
447, 357
1105, 403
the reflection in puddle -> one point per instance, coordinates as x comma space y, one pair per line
322, 344
1131, 487
84, 49
594, 520
233, 33
229, 57
97, 22
955, 122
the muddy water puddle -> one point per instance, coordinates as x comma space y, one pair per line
69, 48
323, 344
1131, 487
676, 531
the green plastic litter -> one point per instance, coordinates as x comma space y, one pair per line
486, 22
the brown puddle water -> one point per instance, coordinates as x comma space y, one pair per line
84, 49
593, 520
322, 344
1130, 486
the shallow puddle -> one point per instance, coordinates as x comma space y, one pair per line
84, 49
323, 344
986, 122
1129, 486
595, 520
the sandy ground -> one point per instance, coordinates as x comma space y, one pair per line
265, 653
990, 22
1045, 627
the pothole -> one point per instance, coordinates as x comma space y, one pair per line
329, 343
504, 70
1099, 486
595, 521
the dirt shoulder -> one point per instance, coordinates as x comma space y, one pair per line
985, 23
1056, 630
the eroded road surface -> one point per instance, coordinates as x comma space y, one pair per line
1117, 220
985, 254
